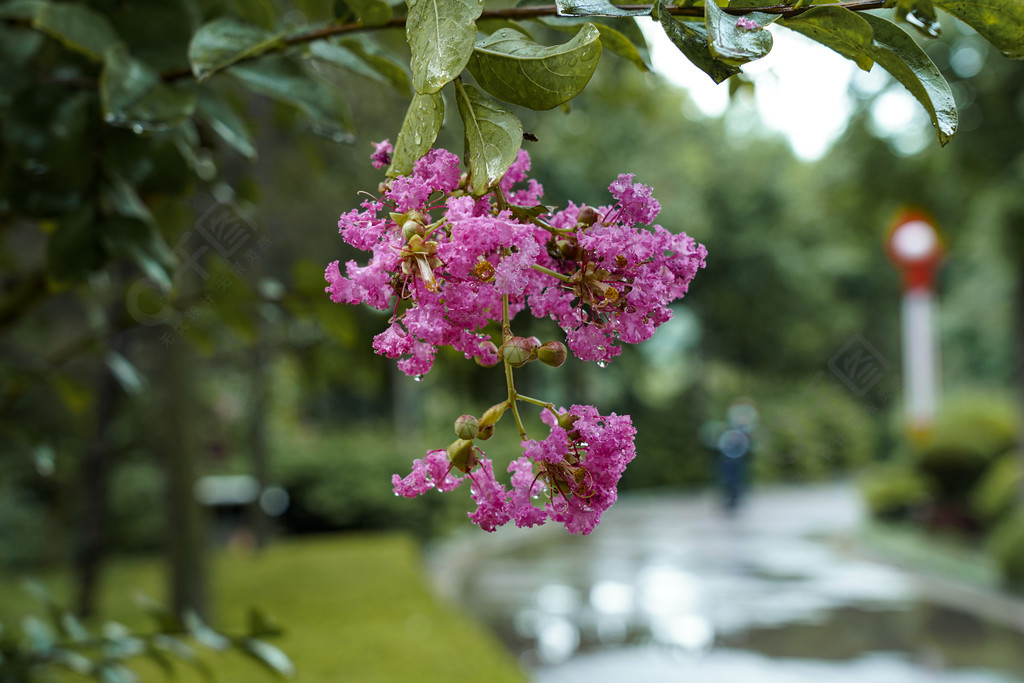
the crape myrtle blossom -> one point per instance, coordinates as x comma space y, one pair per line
452, 268
570, 477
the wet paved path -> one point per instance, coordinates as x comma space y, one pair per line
670, 589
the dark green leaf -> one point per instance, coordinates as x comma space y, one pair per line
837, 28
359, 59
1000, 22
692, 40
23, 10
732, 43
224, 41
287, 81
133, 239
269, 656
134, 96
515, 69
595, 8
74, 249
422, 122
80, 28
17, 47
226, 122
493, 137
261, 625
898, 54
370, 12
618, 35
440, 35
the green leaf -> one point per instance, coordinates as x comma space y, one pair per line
513, 68
1000, 22
126, 374
921, 15
134, 96
733, 44
132, 239
74, 249
224, 41
898, 54
285, 80
440, 35
422, 122
692, 41
23, 10
80, 28
40, 636
595, 8
198, 629
370, 12
226, 122
839, 29
493, 137
366, 62
269, 656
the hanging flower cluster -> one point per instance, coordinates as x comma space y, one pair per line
448, 265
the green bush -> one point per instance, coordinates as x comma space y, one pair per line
994, 495
968, 435
893, 491
1006, 544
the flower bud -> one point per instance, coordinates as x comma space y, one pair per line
411, 228
492, 415
418, 216
552, 353
415, 242
466, 427
587, 216
461, 454
516, 351
485, 433
567, 420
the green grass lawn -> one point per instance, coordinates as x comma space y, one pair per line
354, 607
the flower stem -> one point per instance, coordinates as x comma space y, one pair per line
547, 271
538, 402
506, 334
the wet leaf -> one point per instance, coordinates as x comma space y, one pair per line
1000, 22
692, 40
513, 68
224, 41
80, 28
287, 81
133, 95
839, 29
921, 15
359, 59
440, 35
422, 122
226, 122
898, 54
732, 43
493, 137
595, 8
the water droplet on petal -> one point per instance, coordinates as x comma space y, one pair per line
418, 378
602, 363
138, 129
417, 139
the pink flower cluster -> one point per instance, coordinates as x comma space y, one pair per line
603, 278
570, 477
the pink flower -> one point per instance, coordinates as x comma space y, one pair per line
381, 156
433, 471
747, 24
492, 506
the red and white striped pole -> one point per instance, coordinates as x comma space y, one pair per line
915, 247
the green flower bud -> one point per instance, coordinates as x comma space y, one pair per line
492, 415
566, 421
516, 351
553, 353
462, 455
485, 433
466, 427
411, 228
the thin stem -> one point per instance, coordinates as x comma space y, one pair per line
552, 273
538, 402
506, 334
783, 10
